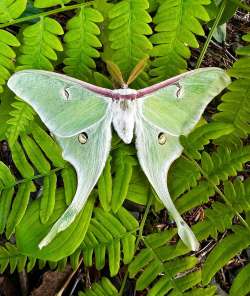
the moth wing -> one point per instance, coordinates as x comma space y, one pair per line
66, 105
176, 105
155, 160
89, 160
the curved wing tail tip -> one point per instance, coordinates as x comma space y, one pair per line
188, 237
64, 222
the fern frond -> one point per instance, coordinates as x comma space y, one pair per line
7, 56
49, 3
176, 24
225, 162
10, 10
10, 256
182, 175
214, 222
101, 288
235, 106
128, 29
107, 233
240, 286
202, 136
155, 265
224, 251
81, 43
39, 45
21, 116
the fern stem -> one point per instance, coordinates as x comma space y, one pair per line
33, 178
46, 13
211, 33
140, 237
222, 195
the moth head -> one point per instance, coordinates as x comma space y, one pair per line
83, 138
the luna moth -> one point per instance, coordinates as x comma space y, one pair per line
80, 115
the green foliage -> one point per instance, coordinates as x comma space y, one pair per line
49, 3
176, 24
30, 231
240, 285
235, 106
157, 258
207, 183
7, 55
109, 233
10, 10
128, 26
81, 43
102, 288
39, 45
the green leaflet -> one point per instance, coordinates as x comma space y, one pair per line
10, 256
102, 288
7, 180
224, 251
30, 231
105, 186
70, 183
123, 165
240, 285
47, 201
48, 145
7, 55
10, 10
20, 161
49, 3
19, 207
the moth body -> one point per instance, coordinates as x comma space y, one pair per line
123, 114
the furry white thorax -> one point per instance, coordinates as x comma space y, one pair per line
124, 115
125, 91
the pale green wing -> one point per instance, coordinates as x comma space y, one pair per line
155, 160
176, 105
89, 160
79, 115
66, 105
